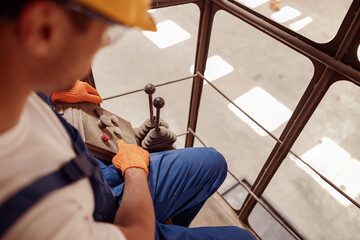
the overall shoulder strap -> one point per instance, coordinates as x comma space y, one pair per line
83, 165
105, 202
78, 168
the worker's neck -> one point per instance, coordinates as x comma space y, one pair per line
13, 95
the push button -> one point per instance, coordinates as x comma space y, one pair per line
117, 131
105, 137
105, 121
114, 119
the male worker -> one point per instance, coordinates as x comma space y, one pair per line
51, 187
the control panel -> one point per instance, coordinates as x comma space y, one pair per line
101, 129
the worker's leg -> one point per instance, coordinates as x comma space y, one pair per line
173, 232
182, 180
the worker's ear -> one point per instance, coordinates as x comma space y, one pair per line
40, 27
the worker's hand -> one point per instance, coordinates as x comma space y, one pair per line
129, 156
81, 92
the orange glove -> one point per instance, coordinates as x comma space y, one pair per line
129, 156
81, 92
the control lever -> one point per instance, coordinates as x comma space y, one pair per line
159, 138
150, 90
159, 103
150, 123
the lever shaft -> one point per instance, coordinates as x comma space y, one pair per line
150, 90
158, 104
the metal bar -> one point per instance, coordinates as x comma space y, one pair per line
205, 27
182, 134
158, 85
331, 47
349, 35
197, 137
293, 42
151, 108
157, 123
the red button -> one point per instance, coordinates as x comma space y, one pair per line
105, 137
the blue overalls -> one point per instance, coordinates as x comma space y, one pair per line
180, 182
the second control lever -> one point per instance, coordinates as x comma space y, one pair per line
158, 138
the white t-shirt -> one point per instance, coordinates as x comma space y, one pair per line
35, 147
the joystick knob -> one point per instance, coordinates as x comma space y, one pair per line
150, 90
117, 131
158, 104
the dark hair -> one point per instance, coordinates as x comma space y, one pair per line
80, 21
10, 9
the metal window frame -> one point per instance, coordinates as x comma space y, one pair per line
333, 61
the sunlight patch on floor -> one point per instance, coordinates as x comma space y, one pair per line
216, 67
264, 108
337, 165
168, 34
298, 25
252, 3
285, 14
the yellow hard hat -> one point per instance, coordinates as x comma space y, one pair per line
132, 13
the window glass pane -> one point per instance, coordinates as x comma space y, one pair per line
329, 143
266, 79
266, 226
140, 58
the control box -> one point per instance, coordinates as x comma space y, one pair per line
99, 128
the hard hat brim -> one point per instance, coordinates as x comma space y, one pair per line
131, 13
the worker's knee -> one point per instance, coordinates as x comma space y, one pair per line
215, 161
204, 165
220, 164
240, 233
213, 165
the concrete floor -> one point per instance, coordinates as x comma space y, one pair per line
257, 61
